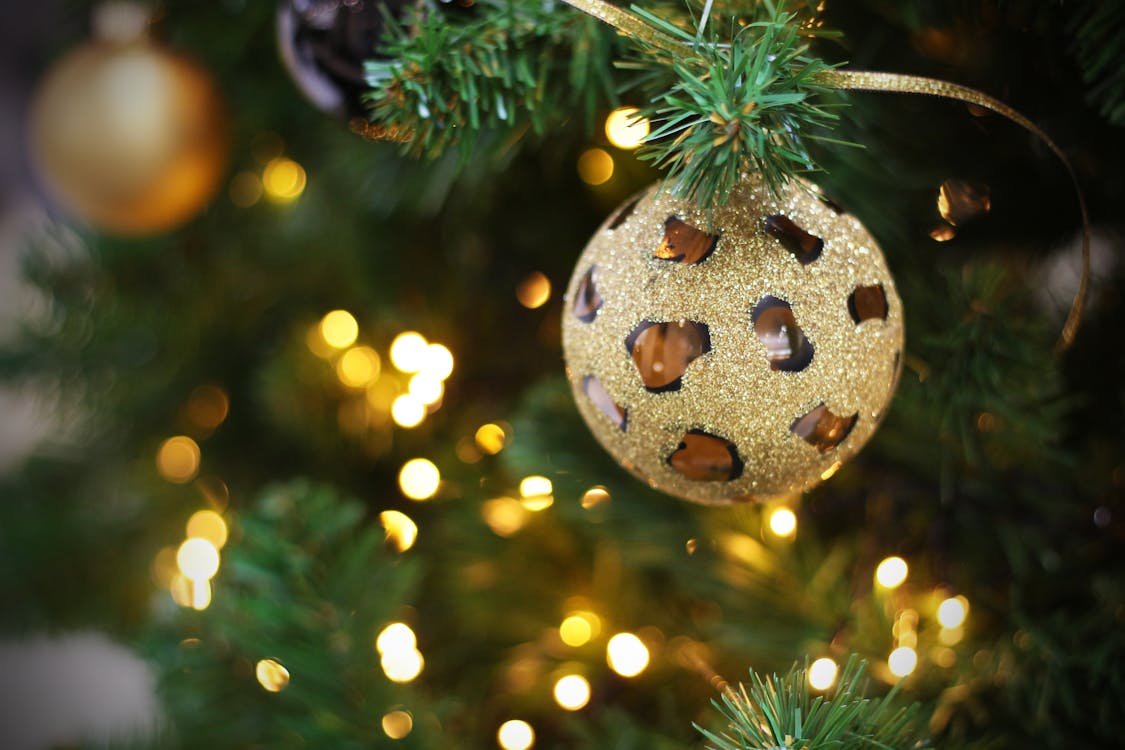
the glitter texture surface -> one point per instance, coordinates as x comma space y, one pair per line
731, 391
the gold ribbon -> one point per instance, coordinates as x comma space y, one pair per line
852, 80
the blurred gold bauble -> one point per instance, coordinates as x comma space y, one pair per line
128, 136
736, 353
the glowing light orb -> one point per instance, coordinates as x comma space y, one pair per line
515, 734
396, 638
891, 572
822, 673
271, 675
902, 661
952, 612
197, 559
419, 479
624, 129
283, 180
397, 724
783, 522
408, 351
401, 531
627, 655
209, 525
339, 329
572, 692
408, 411
595, 166
178, 459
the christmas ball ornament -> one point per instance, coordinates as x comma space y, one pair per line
128, 136
736, 353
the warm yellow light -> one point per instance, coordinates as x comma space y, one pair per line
396, 638
822, 673
359, 367
951, 613
200, 594
197, 559
831, 471
595, 166
627, 655
891, 572
209, 525
951, 636
572, 692
535, 493
504, 515
534, 290
400, 530
515, 735
181, 590
578, 628
397, 724
624, 129
490, 438
402, 666
207, 407
437, 362
783, 522
283, 180
408, 411
339, 329
178, 458
408, 351
426, 388
902, 661
245, 189
419, 478
164, 567
594, 496
271, 675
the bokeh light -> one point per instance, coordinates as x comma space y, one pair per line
534, 290
207, 407
408, 411
594, 497
419, 479
245, 189
783, 522
437, 361
271, 675
283, 180
902, 661
515, 734
408, 351
339, 329
951, 613
397, 724
595, 166
426, 388
178, 459
822, 673
578, 628
504, 515
627, 655
572, 692
624, 129
209, 525
197, 559
200, 594
359, 367
490, 438
396, 638
402, 666
891, 572
401, 531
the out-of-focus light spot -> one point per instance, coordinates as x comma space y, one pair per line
197, 559
691, 545
419, 479
822, 673
504, 515
578, 628
181, 590
200, 595
951, 636
831, 471
891, 572
283, 180
515, 735
902, 661
314, 340
572, 692
207, 407
942, 233
626, 655
408, 351
951, 613
178, 458
468, 451
437, 362
271, 675
359, 367
624, 129
908, 638
595, 166
339, 329
961, 200
783, 522
534, 290
490, 438
245, 189
426, 388
408, 411
594, 497
400, 530
164, 568
396, 638
209, 525
535, 493
402, 666
397, 724
943, 657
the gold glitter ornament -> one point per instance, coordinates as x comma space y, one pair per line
737, 353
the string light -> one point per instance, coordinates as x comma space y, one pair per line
891, 572
624, 129
951, 613
209, 525
339, 329
902, 661
396, 637
200, 594
271, 675
426, 388
359, 367
535, 493
515, 734
572, 692
408, 351
783, 523
197, 559
437, 362
595, 166
534, 290
283, 180
594, 497
408, 411
419, 479
178, 459
627, 655
397, 724
402, 666
490, 438
822, 673
578, 628
400, 530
